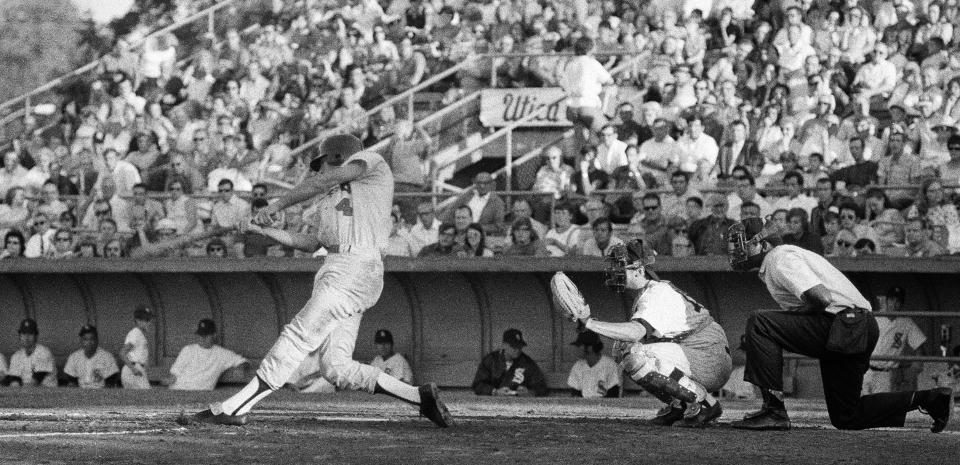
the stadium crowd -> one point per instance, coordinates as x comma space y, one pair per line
836, 119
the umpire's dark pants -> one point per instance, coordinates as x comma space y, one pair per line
770, 333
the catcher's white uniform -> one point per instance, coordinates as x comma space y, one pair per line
355, 223
680, 333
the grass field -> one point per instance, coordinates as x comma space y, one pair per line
61, 426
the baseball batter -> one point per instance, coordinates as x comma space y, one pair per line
356, 191
671, 346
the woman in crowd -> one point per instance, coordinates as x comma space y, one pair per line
525, 241
475, 244
932, 204
799, 234
13, 245
885, 221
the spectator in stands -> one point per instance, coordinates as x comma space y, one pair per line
50, 203
707, 234
33, 364
256, 245
508, 371
851, 217
887, 222
446, 244
199, 366
919, 244
488, 208
216, 248
113, 248
144, 212
522, 210
427, 227
86, 248
475, 243
861, 173
898, 168
387, 360
795, 198
62, 244
950, 171
124, 173
462, 218
931, 204
228, 209
399, 244
554, 176
590, 177
694, 207
656, 229
13, 245
409, 148
611, 153
181, 209
583, 79
13, 174
697, 148
564, 236
798, 232
91, 367
595, 374
135, 353
602, 241
745, 190
525, 240
659, 155
40, 243
824, 194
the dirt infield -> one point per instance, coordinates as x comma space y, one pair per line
54, 426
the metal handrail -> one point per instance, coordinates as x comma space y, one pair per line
207, 13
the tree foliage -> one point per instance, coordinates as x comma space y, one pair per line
38, 42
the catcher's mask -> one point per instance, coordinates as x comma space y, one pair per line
630, 256
741, 238
336, 149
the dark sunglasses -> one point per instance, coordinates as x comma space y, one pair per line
844, 244
650, 209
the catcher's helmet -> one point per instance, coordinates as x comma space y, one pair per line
338, 147
741, 237
633, 253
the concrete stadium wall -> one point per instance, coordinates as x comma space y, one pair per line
445, 314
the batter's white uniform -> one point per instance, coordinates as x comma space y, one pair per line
139, 354
594, 381
895, 336
681, 333
396, 366
198, 369
354, 217
86, 369
309, 366
41, 360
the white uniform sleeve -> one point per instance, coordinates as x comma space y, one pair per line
915, 336
229, 358
177, 368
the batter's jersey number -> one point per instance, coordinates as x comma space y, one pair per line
345, 206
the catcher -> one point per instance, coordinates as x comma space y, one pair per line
671, 346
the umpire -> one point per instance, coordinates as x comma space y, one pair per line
826, 318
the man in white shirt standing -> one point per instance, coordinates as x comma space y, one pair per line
427, 229
389, 361
90, 366
699, 149
897, 336
596, 374
583, 81
795, 197
135, 353
199, 366
745, 190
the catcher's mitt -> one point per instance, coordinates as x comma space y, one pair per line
568, 297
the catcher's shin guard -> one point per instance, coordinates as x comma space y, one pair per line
664, 381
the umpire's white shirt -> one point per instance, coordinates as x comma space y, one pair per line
789, 271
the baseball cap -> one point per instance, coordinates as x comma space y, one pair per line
142, 312
586, 338
206, 327
383, 337
28, 326
88, 329
896, 292
514, 337
166, 224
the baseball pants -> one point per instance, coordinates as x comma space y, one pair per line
770, 333
703, 357
132, 381
346, 285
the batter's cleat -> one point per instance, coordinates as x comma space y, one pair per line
939, 405
668, 415
766, 419
207, 416
432, 407
706, 415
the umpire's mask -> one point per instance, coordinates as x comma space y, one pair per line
741, 238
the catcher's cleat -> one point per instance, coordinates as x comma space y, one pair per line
207, 416
939, 405
766, 419
703, 416
432, 407
668, 415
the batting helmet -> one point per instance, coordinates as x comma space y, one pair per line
338, 148
633, 253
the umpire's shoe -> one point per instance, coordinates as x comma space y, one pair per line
765, 419
668, 415
207, 416
938, 403
704, 416
432, 407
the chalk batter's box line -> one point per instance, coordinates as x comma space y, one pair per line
90, 433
